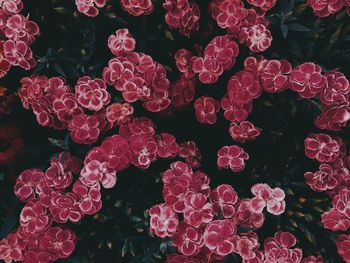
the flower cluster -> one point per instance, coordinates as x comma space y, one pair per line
211, 217
135, 74
328, 7
183, 15
247, 25
18, 34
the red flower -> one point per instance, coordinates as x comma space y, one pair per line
118, 71
64, 207
174, 193
264, 4
166, 145
208, 69
89, 197
229, 14
95, 172
164, 221
279, 248
343, 247
188, 239
243, 87
245, 216
184, 59
200, 183
334, 220
19, 28
4, 64
27, 184
12, 248
183, 15
234, 112
182, 92
313, 259
325, 8
144, 150
197, 210
191, 153
257, 37
58, 241
137, 7
92, 93
34, 218
12, 6
58, 176
223, 50
177, 169
66, 107
173, 258
244, 132
323, 179
322, 148
119, 113
219, 236
265, 196
275, 75
19, 54
232, 157
246, 246
307, 80
84, 129
342, 202
337, 88
223, 198
334, 117
89, 7
121, 41
206, 109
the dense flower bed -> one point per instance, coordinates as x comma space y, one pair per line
104, 115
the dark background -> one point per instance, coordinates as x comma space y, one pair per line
72, 45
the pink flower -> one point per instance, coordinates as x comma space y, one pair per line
121, 41
183, 15
234, 112
246, 246
164, 221
4, 64
144, 150
84, 129
166, 145
325, 8
58, 176
229, 14
118, 71
19, 28
206, 109
34, 218
188, 239
27, 184
119, 113
244, 132
322, 147
11, 248
307, 80
184, 59
89, 197
64, 207
334, 220
334, 117
66, 107
343, 247
174, 193
219, 236
191, 153
197, 210
89, 7
95, 172
223, 198
19, 54
174, 258
12, 6
265, 196
313, 259
137, 7
246, 216
337, 88
279, 248
342, 202
321, 180
275, 75
223, 50
208, 69
264, 4
232, 157
257, 37
243, 87
59, 241
92, 93
177, 169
